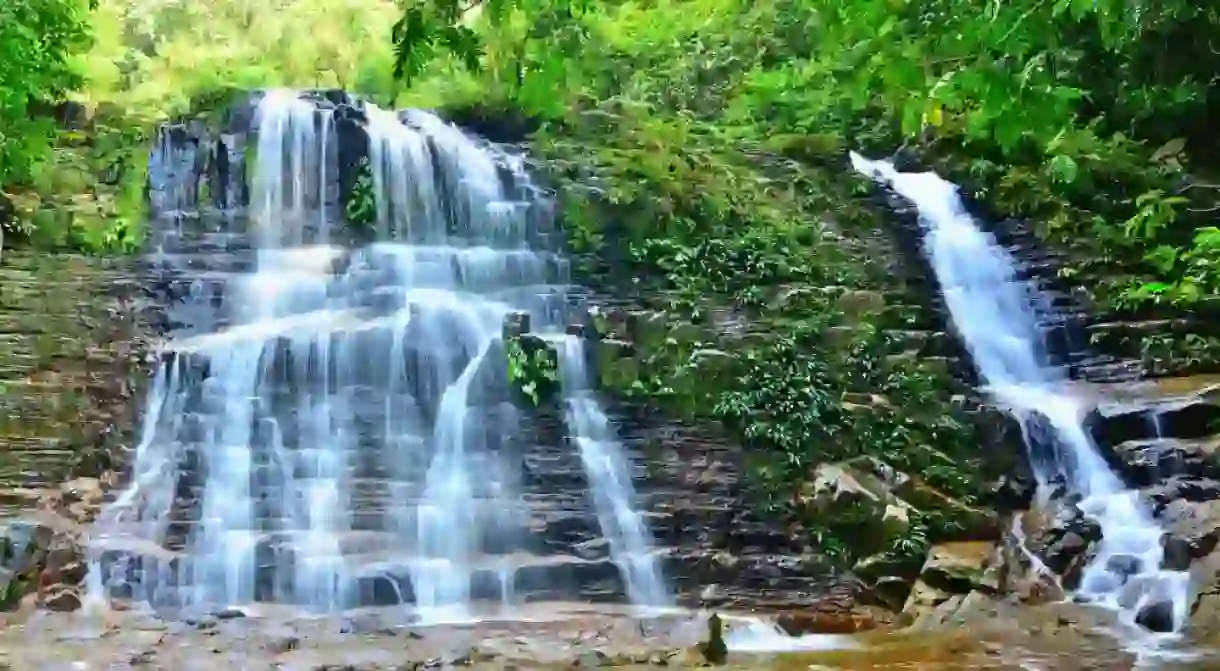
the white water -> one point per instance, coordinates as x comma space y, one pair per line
755, 634
992, 312
610, 481
350, 426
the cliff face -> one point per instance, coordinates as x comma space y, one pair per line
69, 364
74, 332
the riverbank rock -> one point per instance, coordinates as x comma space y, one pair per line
42, 563
1182, 408
950, 572
1163, 438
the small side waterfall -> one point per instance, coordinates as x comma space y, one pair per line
992, 312
346, 437
609, 480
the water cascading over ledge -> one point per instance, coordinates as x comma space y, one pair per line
993, 314
333, 427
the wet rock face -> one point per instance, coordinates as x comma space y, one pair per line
42, 563
74, 333
1162, 438
205, 160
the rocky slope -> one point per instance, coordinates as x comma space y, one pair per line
1155, 423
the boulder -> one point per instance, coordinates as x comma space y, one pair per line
78, 500
1144, 462
1186, 408
1190, 542
849, 497
41, 556
950, 569
1156, 616
1060, 537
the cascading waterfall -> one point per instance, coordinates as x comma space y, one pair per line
347, 432
610, 480
992, 312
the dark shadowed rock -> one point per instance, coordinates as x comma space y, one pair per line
1156, 616
1176, 554
1185, 408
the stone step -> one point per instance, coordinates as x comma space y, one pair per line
195, 240
376, 570
1111, 372
387, 506
199, 262
1148, 461
1185, 408
379, 580
514, 578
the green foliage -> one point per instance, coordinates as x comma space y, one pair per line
361, 205
1081, 115
533, 37
80, 186
38, 40
533, 369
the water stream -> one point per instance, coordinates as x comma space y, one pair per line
345, 430
992, 312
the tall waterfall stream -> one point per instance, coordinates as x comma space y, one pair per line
991, 310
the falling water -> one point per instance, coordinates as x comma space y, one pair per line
992, 312
347, 432
610, 481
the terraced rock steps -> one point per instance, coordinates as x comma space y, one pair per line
538, 535
566, 556
66, 350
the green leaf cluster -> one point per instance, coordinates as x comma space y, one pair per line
533, 369
1084, 115
38, 40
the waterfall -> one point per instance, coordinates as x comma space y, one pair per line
610, 481
992, 313
339, 430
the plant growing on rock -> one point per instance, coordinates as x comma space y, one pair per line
533, 368
360, 206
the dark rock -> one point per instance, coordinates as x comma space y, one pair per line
1124, 565
1177, 554
62, 599
1148, 461
1183, 408
228, 614
1182, 488
1061, 554
594, 659
1156, 616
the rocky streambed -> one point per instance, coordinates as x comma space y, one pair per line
973, 605
554, 636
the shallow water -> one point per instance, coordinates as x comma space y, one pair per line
542, 636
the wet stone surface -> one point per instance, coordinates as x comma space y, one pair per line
1061, 638
66, 354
